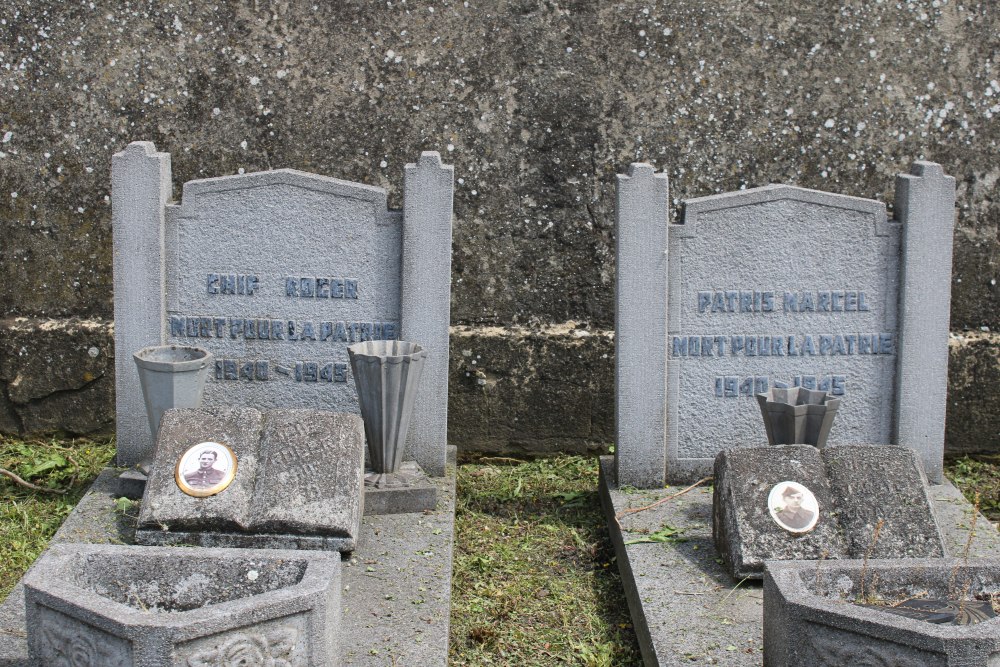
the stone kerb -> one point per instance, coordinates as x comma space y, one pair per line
769, 287
276, 273
119, 606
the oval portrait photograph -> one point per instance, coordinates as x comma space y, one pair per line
793, 507
205, 469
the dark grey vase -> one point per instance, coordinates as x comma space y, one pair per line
171, 376
386, 374
797, 416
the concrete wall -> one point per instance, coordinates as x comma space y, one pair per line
538, 104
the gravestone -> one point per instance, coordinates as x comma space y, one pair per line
276, 273
870, 501
772, 287
298, 482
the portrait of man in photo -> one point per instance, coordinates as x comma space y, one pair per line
206, 475
793, 507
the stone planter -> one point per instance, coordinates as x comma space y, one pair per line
810, 618
797, 416
387, 377
119, 606
171, 376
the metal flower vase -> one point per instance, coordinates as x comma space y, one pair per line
171, 376
387, 376
797, 416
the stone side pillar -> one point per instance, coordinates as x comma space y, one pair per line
426, 301
641, 222
140, 188
925, 204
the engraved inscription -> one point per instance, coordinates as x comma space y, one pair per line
270, 648
231, 283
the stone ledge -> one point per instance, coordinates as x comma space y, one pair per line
513, 390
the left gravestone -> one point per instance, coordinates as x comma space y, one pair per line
276, 273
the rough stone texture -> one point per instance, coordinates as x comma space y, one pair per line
299, 480
716, 94
685, 606
56, 374
973, 421
809, 618
745, 534
121, 606
396, 589
856, 487
882, 483
531, 391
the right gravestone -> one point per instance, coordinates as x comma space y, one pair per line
778, 286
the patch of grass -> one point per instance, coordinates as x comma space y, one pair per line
978, 473
29, 518
535, 581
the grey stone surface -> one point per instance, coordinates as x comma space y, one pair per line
118, 606
140, 188
425, 301
396, 588
814, 304
275, 272
685, 606
925, 204
298, 482
641, 221
857, 488
745, 534
809, 618
405, 491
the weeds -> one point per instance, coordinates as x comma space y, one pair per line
28, 517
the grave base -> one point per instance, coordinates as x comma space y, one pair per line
685, 608
169, 538
396, 594
408, 490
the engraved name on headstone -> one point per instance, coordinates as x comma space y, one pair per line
276, 273
776, 286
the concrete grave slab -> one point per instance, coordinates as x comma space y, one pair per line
770, 287
685, 606
298, 484
118, 606
395, 593
275, 273
859, 490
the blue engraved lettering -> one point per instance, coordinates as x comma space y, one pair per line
278, 329
777, 346
323, 288
326, 373
293, 332
851, 341
235, 327
862, 304
291, 286
718, 386
310, 371
350, 288
767, 302
340, 332
807, 345
680, 346
729, 385
760, 384
306, 286
366, 330
732, 297
825, 344
837, 302
704, 298
850, 302
227, 284
838, 345
793, 350
336, 288
307, 331
252, 284
807, 303
746, 387
325, 330
260, 370
809, 381
250, 329
885, 343
751, 346
823, 384
191, 326
218, 369
176, 325
837, 385
720, 345
389, 331
791, 302
718, 303
219, 323
706, 346
229, 369
340, 371
864, 344
205, 327
246, 370
735, 345
212, 283
746, 302
764, 346
694, 346
823, 302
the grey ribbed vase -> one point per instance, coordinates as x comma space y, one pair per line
797, 416
171, 376
386, 374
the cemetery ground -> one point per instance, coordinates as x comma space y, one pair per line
535, 581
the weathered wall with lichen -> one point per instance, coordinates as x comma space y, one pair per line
537, 103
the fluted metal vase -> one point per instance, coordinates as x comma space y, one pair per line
797, 416
171, 376
386, 374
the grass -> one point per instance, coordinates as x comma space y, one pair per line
28, 518
535, 581
978, 473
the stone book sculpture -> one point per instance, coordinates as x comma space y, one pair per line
239, 477
797, 502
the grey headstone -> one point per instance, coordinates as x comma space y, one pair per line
119, 606
275, 273
856, 487
140, 188
641, 311
925, 204
299, 481
768, 287
745, 534
810, 618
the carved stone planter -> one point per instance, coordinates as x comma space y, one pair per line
124, 606
797, 416
810, 618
